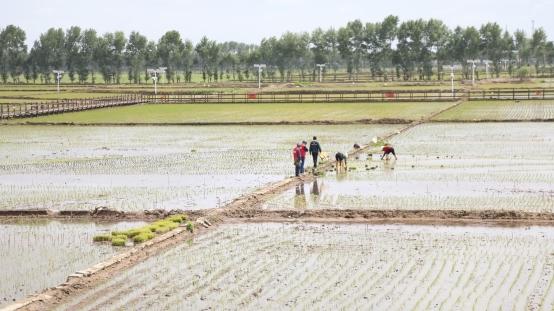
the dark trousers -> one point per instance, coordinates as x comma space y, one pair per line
314, 156
297, 168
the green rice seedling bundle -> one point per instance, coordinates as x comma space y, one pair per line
144, 233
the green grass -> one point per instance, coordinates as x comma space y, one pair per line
500, 111
190, 226
218, 113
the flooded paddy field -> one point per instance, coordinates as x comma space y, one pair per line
484, 166
38, 253
142, 168
500, 111
347, 266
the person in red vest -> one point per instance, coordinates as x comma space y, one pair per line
303, 151
297, 157
387, 150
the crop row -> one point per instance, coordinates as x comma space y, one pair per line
38, 253
341, 266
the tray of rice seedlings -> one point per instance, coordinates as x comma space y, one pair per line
144, 233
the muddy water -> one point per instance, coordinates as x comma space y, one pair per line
37, 254
137, 168
315, 266
444, 166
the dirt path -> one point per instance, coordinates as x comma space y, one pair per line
307, 122
435, 217
242, 207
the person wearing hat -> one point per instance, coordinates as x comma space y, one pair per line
296, 156
315, 149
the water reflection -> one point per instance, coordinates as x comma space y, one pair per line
317, 186
300, 197
303, 200
388, 166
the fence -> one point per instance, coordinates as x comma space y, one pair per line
8, 111
308, 97
354, 96
511, 94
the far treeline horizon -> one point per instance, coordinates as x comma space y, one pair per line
413, 49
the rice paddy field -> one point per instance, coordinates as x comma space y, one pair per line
37, 254
314, 266
232, 113
146, 168
286, 264
500, 110
484, 166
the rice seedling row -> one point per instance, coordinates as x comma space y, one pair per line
393, 267
500, 110
139, 168
482, 166
41, 253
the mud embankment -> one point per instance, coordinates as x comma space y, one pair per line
444, 217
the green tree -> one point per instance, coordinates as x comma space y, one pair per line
135, 54
170, 49
538, 48
13, 53
436, 39
71, 47
412, 54
492, 45
86, 63
50, 52
522, 46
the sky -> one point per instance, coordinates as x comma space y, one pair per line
251, 20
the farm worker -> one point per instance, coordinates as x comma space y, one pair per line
296, 157
315, 149
387, 150
341, 161
303, 150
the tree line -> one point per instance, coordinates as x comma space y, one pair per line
414, 49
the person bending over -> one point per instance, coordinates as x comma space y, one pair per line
387, 151
341, 161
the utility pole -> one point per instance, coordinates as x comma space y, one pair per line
452, 79
472, 62
487, 62
321, 66
59, 74
154, 73
260, 68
